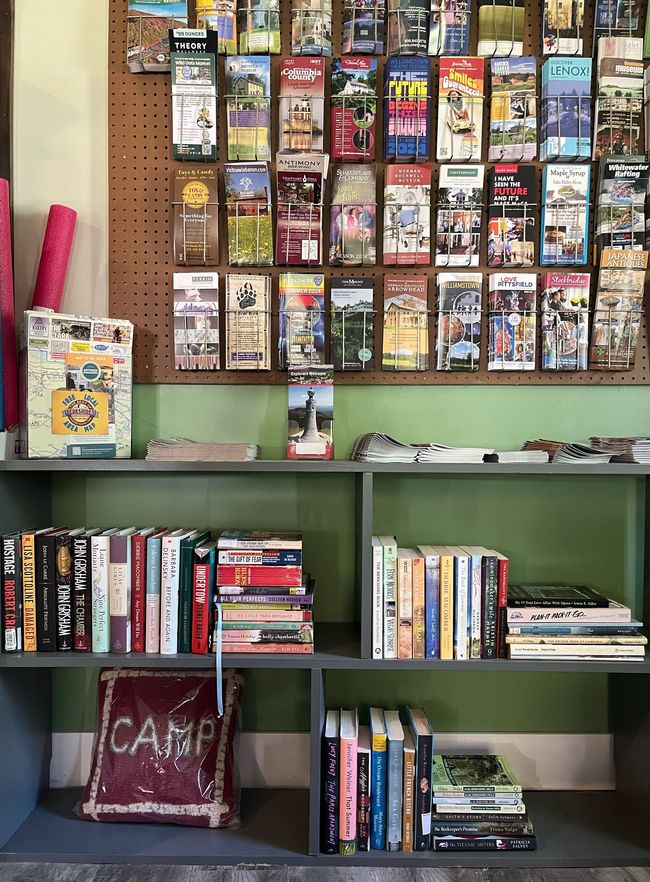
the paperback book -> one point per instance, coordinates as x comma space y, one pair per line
311, 27
513, 109
618, 309
248, 107
353, 228
565, 127
512, 212
196, 322
512, 306
563, 27
219, 16
621, 204
194, 95
352, 323
407, 94
195, 217
364, 27
353, 111
449, 24
299, 229
458, 345
258, 24
302, 105
302, 319
147, 33
500, 27
459, 215
407, 215
565, 321
565, 214
406, 324
248, 323
249, 213
408, 27
460, 109
311, 412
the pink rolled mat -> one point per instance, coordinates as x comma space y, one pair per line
7, 314
55, 258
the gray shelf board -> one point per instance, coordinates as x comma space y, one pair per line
111, 466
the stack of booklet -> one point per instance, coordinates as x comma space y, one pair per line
559, 451
518, 456
182, 450
376, 447
624, 449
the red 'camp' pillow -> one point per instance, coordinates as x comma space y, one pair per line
161, 752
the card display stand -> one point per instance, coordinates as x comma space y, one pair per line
141, 258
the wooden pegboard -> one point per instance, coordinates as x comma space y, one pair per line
140, 254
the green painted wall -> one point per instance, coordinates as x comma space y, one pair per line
573, 529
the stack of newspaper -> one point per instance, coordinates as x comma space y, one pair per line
182, 450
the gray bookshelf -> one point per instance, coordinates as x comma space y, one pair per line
282, 826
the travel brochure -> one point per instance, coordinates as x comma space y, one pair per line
353, 233
458, 344
459, 215
196, 321
460, 109
407, 215
353, 109
565, 321
512, 315
352, 336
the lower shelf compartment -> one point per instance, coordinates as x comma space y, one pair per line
577, 829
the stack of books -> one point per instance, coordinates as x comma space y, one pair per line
442, 602
478, 806
571, 623
265, 598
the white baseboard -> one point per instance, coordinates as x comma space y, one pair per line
278, 759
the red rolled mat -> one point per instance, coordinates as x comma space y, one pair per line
55, 258
7, 312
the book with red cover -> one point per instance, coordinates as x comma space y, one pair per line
202, 592
255, 576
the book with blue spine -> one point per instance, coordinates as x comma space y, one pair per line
431, 601
565, 129
395, 753
378, 774
407, 95
565, 214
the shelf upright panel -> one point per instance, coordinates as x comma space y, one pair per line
317, 724
363, 539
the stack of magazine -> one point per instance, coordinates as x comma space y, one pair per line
376, 447
182, 450
560, 451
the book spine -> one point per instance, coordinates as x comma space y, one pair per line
476, 607
274, 591
45, 595
378, 793
329, 842
64, 593
138, 591
169, 587
510, 843
348, 797
490, 589
460, 607
377, 601
407, 800
502, 605
273, 544
99, 562
394, 799
472, 827
12, 595
264, 616
363, 800
185, 597
201, 608
152, 618
294, 601
259, 576
29, 592
265, 635
570, 616
258, 558
119, 594
432, 607
424, 763
294, 648
82, 618
446, 607
498, 800
541, 602
459, 808
463, 818
418, 608
390, 601
405, 603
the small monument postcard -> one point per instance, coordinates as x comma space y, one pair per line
311, 412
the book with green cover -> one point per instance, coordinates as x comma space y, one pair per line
185, 588
465, 775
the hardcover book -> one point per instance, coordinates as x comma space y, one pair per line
513, 109
248, 322
500, 27
363, 789
565, 129
119, 590
353, 111
460, 109
409, 792
28, 562
353, 228
12, 595
459, 215
248, 107
311, 412
378, 781
194, 95
64, 601
100, 553
563, 27
458, 345
364, 26
195, 217
407, 215
147, 39
512, 211
565, 321
407, 95
46, 591
302, 104
423, 739
512, 305
555, 595
349, 735
618, 309
311, 27
565, 214
249, 212
449, 25
394, 795
329, 833
196, 322
82, 591
406, 324
258, 24
152, 592
186, 587
352, 323
299, 231
302, 320
408, 27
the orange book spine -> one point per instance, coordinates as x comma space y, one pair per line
405, 607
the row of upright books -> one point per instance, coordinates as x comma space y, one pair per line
155, 591
383, 787
564, 310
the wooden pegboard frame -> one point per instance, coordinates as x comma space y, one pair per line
140, 253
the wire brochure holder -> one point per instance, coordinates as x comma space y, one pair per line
458, 233
364, 26
449, 23
250, 233
408, 28
407, 234
196, 241
565, 339
258, 23
249, 126
196, 336
562, 27
299, 234
353, 234
406, 338
406, 126
459, 337
615, 18
511, 234
311, 27
353, 347
564, 233
512, 339
618, 126
513, 127
354, 116
299, 331
299, 123
566, 119
500, 28
248, 323
141, 55
460, 122
614, 338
